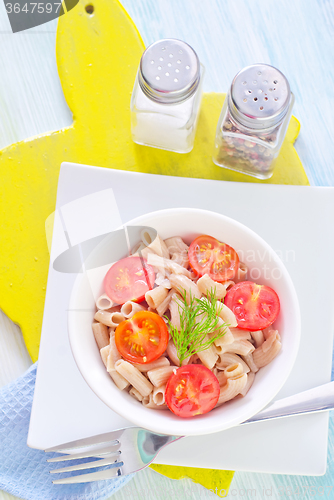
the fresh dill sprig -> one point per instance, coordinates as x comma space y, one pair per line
197, 319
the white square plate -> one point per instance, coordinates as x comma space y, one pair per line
294, 220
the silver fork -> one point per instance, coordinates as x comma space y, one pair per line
132, 449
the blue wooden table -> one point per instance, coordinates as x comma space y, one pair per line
296, 36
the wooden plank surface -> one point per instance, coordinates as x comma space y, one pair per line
296, 36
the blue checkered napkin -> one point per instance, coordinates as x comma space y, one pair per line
24, 472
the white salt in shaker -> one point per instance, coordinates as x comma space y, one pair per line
253, 121
166, 97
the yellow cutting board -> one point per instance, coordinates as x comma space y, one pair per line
97, 54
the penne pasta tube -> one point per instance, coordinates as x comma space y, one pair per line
225, 339
120, 381
226, 315
112, 319
135, 394
111, 331
239, 334
232, 388
130, 308
113, 355
162, 308
152, 240
262, 356
104, 354
249, 383
221, 377
167, 265
159, 376
156, 296
185, 285
172, 353
181, 259
228, 284
258, 338
149, 403
158, 395
228, 358
241, 274
158, 363
175, 309
209, 356
134, 377
232, 371
101, 335
207, 286
104, 302
176, 245
248, 358
161, 280
241, 347
268, 332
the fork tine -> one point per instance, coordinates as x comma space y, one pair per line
93, 476
94, 452
87, 465
107, 437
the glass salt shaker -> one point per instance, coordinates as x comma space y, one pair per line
253, 121
166, 97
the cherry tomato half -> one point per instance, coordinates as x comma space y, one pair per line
255, 306
142, 338
192, 390
209, 256
129, 279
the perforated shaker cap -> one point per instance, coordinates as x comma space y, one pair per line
169, 71
260, 96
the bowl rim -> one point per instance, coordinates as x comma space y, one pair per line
179, 427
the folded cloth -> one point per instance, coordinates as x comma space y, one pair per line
24, 472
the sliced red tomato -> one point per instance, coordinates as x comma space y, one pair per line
129, 279
255, 306
192, 390
209, 256
142, 338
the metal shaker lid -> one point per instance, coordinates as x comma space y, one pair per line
259, 96
169, 71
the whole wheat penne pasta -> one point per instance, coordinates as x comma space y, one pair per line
175, 309
264, 357
268, 332
239, 334
104, 354
149, 403
113, 355
221, 377
181, 259
112, 319
226, 315
161, 280
158, 396
104, 302
158, 363
232, 371
258, 338
152, 240
130, 308
241, 274
159, 376
134, 377
249, 383
241, 347
101, 334
172, 353
228, 284
167, 265
176, 245
162, 308
232, 388
185, 285
248, 358
209, 356
135, 394
156, 296
227, 358
111, 331
271, 336
207, 286
225, 339
120, 381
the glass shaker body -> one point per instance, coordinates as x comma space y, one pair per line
247, 140
164, 112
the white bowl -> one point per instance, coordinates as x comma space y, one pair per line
265, 267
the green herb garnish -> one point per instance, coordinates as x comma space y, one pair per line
197, 320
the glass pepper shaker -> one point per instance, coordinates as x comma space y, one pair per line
166, 97
253, 121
